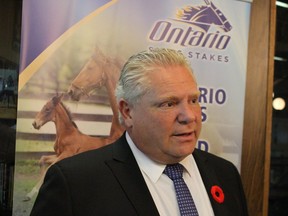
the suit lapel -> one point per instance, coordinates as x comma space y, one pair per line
210, 179
129, 176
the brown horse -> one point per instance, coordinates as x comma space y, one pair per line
100, 71
69, 140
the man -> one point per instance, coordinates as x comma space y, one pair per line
158, 101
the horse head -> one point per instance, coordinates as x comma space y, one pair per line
219, 18
47, 112
204, 16
91, 76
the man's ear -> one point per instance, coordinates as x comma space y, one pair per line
125, 110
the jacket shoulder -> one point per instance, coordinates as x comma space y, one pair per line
213, 160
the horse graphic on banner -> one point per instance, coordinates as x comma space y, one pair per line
69, 140
204, 16
100, 71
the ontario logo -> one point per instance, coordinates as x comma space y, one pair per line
197, 26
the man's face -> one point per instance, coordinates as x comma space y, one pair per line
166, 122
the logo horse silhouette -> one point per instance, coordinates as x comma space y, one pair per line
204, 16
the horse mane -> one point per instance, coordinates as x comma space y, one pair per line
189, 13
69, 114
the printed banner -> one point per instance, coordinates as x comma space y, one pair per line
72, 52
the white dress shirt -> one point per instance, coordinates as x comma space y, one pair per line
161, 186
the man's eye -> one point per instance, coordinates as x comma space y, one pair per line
168, 104
194, 101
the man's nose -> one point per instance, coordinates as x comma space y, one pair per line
186, 113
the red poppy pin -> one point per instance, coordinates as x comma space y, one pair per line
217, 194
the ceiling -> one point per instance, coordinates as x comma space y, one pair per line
281, 67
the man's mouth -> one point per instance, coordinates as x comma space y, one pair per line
185, 137
184, 134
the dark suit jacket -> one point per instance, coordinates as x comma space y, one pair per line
109, 182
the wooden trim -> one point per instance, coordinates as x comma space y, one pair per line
270, 86
255, 167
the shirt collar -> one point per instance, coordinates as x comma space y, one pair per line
153, 169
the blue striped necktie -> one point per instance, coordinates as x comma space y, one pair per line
184, 198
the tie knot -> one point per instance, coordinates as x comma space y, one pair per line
174, 171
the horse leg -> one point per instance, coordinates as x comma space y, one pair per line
116, 129
45, 162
